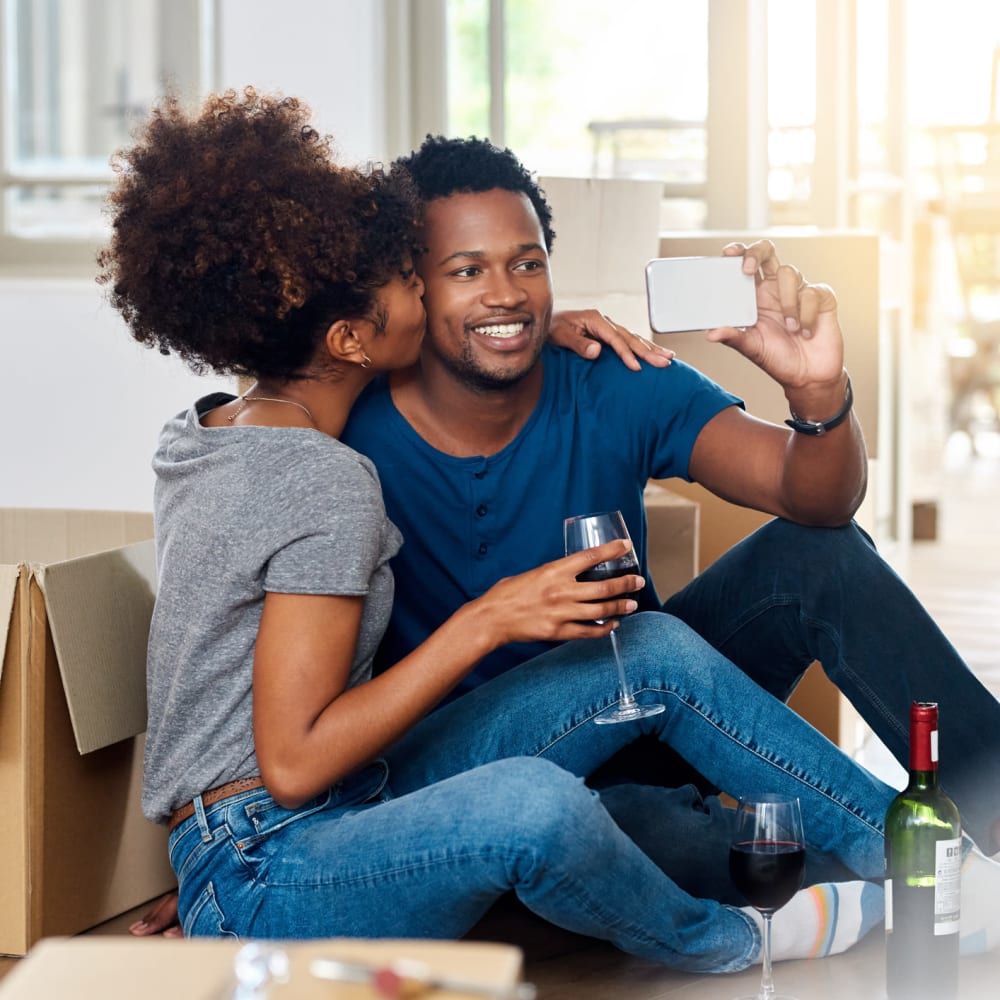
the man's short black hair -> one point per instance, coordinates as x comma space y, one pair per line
442, 167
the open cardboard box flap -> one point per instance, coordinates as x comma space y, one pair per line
98, 592
98, 608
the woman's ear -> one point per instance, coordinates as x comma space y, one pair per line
344, 344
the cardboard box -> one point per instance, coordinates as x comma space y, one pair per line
201, 969
722, 524
672, 538
75, 603
925, 520
606, 231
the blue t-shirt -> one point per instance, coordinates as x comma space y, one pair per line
598, 433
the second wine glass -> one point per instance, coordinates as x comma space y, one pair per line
767, 860
585, 531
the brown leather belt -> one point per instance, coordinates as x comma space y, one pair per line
214, 795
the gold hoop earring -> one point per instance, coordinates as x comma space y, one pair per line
367, 363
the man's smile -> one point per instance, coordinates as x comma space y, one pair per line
500, 331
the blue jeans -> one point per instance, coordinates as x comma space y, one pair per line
486, 795
788, 595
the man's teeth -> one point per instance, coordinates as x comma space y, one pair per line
500, 329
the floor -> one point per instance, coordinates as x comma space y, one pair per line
958, 578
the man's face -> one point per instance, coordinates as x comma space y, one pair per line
488, 293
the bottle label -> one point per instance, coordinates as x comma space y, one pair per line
888, 904
947, 886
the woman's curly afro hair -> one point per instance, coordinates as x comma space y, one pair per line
237, 239
442, 167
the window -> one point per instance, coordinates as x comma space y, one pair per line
78, 75
589, 88
582, 79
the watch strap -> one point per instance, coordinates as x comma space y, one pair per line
819, 427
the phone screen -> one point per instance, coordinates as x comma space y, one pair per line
699, 293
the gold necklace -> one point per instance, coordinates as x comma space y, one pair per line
244, 399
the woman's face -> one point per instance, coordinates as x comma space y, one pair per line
400, 302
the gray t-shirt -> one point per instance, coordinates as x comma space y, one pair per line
240, 511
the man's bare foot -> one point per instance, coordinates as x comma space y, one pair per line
161, 919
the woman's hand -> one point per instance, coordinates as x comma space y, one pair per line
161, 918
549, 603
584, 330
311, 729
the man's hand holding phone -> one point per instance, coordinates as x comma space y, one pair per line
750, 301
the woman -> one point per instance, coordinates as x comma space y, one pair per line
306, 798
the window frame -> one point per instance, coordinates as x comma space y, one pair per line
74, 256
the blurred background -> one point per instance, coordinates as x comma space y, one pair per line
878, 117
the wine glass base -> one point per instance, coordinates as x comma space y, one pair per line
627, 713
770, 996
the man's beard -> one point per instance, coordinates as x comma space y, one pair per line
474, 376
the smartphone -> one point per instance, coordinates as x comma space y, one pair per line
699, 293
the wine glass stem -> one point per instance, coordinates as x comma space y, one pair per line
766, 982
624, 691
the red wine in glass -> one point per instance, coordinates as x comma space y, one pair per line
585, 532
767, 872
610, 571
767, 860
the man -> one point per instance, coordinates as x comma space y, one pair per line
493, 438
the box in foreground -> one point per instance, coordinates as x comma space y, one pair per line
201, 969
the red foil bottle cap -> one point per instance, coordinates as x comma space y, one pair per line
923, 736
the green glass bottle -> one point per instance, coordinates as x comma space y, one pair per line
923, 867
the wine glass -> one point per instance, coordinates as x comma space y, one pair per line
767, 859
585, 531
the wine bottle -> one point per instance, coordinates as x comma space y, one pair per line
923, 867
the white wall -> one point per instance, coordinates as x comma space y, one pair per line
81, 404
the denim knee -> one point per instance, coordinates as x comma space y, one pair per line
540, 810
821, 548
663, 648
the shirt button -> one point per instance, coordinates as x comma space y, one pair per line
482, 548
481, 510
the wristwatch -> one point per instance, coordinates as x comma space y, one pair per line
818, 427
